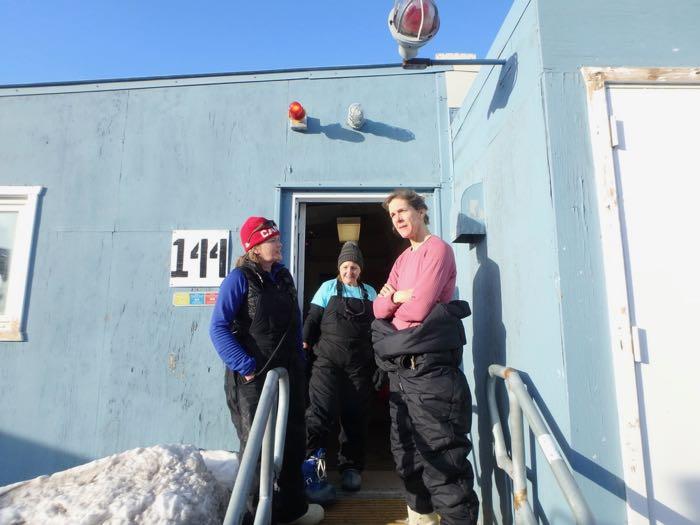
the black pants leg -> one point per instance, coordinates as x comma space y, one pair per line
289, 501
346, 386
323, 403
356, 391
409, 463
433, 407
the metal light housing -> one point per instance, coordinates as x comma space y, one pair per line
412, 24
348, 228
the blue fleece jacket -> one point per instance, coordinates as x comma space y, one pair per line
232, 295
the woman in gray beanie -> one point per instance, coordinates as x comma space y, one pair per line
338, 327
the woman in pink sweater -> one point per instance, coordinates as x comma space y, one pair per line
418, 337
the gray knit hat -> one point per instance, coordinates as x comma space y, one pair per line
351, 252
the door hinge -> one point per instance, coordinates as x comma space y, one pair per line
636, 346
614, 138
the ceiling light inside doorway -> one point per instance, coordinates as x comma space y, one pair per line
348, 228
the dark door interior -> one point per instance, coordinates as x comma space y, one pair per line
380, 246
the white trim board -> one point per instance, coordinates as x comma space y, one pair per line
22, 200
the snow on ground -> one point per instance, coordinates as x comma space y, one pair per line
163, 484
223, 465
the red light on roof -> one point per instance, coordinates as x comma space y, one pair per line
419, 19
296, 111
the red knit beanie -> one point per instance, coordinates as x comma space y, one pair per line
256, 230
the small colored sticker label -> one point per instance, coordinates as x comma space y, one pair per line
194, 298
181, 299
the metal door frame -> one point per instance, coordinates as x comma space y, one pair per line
297, 218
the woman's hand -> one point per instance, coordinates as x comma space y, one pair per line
387, 290
249, 377
305, 345
402, 296
396, 296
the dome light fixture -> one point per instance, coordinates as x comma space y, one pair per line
356, 116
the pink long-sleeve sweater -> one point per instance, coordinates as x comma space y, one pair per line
431, 271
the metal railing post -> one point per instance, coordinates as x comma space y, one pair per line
282, 416
499, 443
521, 504
522, 403
263, 514
267, 433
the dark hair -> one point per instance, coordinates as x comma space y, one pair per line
414, 200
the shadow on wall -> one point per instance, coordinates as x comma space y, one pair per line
594, 472
336, 131
505, 85
691, 487
489, 347
385, 130
21, 459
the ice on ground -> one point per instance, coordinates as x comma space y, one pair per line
163, 484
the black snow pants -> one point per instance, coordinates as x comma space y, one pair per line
430, 406
289, 500
338, 383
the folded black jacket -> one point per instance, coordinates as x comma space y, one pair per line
442, 330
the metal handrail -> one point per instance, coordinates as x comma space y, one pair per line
270, 416
521, 402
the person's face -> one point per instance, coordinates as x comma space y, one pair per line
270, 251
406, 219
349, 272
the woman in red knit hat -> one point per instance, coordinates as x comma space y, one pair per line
256, 327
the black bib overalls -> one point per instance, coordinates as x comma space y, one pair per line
341, 377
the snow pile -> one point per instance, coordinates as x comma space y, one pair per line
223, 465
164, 484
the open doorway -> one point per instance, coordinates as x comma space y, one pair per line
380, 247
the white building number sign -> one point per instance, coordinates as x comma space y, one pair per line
198, 258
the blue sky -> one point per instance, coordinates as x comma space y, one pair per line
63, 40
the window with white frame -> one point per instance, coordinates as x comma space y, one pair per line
17, 219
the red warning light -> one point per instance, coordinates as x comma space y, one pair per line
296, 111
420, 18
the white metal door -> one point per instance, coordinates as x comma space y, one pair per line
658, 186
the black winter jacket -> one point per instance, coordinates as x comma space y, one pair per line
442, 330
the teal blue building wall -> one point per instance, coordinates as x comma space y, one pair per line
109, 363
536, 281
